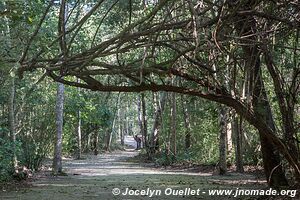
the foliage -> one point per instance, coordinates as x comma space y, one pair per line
6, 158
163, 159
34, 153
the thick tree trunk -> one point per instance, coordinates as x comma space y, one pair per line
108, 140
237, 132
222, 141
57, 165
272, 165
286, 104
237, 129
247, 27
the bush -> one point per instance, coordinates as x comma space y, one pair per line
164, 158
30, 156
33, 156
6, 158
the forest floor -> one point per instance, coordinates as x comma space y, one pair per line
95, 177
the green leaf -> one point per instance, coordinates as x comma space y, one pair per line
12, 73
30, 20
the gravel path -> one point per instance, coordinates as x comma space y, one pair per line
96, 177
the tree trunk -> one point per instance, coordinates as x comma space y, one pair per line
78, 128
142, 119
12, 125
111, 131
57, 160
115, 118
108, 134
160, 105
57, 165
108, 138
237, 132
95, 140
11, 106
222, 141
173, 125
187, 124
126, 121
272, 164
229, 121
88, 143
286, 102
112, 127
246, 26
121, 119
122, 134
78, 131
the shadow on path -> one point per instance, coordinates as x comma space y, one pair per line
96, 176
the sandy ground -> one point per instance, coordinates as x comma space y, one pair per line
96, 177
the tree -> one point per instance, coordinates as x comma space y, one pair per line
173, 125
187, 123
78, 131
223, 141
142, 119
261, 106
237, 132
110, 131
160, 101
57, 160
11, 116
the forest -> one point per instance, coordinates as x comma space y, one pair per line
100, 99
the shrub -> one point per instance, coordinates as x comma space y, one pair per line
6, 158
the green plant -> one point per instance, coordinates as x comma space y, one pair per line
7, 157
164, 158
33, 155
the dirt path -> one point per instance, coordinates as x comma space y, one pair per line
96, 177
